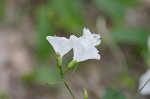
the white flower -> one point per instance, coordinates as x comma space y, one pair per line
143, 79
61, 45
84, 46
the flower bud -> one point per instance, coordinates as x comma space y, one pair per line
59, 60
72, 64
85, 94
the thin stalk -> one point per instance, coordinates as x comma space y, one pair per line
65, 70
59, 64
65, 83
67, 86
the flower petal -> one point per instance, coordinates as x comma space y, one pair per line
93, 39
82, 50
61, 45
143, 79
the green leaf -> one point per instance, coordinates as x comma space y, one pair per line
44, 28
136, 36
111, 93
127, 80
2, 6
27, 78
114, 8
44, 74
3, 95
68, 14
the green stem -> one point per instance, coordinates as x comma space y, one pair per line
61, 72
65, 70
59, 64
65, 83
67, 86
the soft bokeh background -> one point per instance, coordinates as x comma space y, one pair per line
27, 60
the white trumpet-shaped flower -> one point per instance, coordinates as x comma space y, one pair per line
84, 46
61, 45
144, 79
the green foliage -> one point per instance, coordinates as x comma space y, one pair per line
114, 8
2, 6
148, 61
27, 78
44, 28
134, 36
46, 75
111, 93
3, 95
126, 80
42, 75
68, 14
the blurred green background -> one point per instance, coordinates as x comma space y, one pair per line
124, 29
